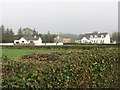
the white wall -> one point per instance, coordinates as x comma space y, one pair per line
48, 44
38, 41
11, 44
77, 41
59, 43
84, 39
107, 39
97, 40
22, 39
6, 44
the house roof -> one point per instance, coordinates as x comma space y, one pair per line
87, 35
31, 38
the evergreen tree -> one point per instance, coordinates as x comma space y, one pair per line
11, 32
20, 33
11, 35
35, 33
48, 32
7, 35
2, 33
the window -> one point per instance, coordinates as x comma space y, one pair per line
91, 40
31, 41
22, 41
17, 42
84, 41
94, 41
102, 41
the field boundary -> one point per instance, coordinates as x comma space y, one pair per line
41, 44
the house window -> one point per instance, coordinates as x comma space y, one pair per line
22, 41
17, 42
91, 41
83, 41
94, 41
31, 41
102, 41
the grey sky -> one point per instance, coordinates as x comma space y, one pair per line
66, 17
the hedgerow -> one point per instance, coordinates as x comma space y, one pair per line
94, 68
87, 46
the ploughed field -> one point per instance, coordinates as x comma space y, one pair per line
93, 67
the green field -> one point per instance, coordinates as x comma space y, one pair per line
17, 53
73, 66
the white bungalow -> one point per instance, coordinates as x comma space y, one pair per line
28, 40
94, 38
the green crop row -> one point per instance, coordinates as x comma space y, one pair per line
95, 68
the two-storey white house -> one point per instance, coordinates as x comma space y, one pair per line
94, 38
28, 40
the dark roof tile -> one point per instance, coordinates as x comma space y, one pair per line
87, 35
31, 38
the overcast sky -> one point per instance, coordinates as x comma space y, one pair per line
68, 16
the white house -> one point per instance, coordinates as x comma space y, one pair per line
28, 40
94, 38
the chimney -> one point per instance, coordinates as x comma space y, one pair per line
58, 37
98, 32
34, 36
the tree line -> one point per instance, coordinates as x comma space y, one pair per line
8, 35
115, 37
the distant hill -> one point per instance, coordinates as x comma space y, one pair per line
72, 36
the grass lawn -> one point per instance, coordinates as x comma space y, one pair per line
16, 53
